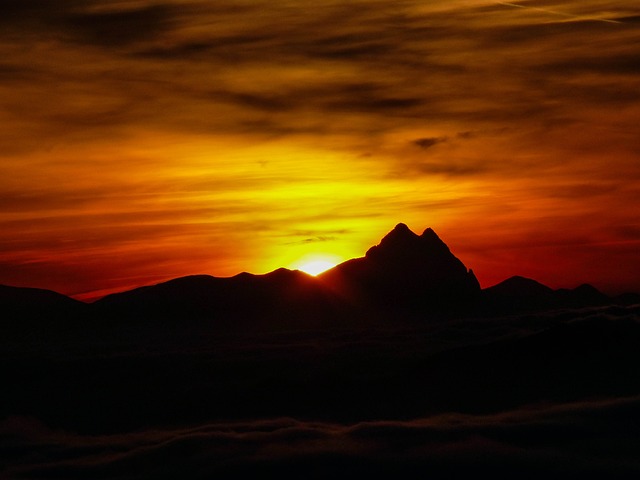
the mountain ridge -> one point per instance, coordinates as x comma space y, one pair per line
404, 272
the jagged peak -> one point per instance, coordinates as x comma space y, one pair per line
432, 238
400, 231
403, 247
401, 238
430, 234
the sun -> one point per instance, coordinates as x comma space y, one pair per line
315, 264
316, 267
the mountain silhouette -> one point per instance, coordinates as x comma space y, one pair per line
21, 300
416, 275
406, 271
282, 298
37, 313
519, 294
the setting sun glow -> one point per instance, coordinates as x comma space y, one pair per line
316, 264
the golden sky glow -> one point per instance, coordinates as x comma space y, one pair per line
145, 140
316, 263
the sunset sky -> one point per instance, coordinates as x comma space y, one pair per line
144, 140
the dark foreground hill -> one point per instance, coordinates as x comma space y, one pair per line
394, 365
519, 294
278, 300
26, 303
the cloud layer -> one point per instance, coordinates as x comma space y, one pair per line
529, 395
574, 439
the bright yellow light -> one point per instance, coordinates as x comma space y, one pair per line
315, 264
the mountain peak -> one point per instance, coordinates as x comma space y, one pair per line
520, 286
431, 238
430, 234
403, 244
402, 227
399, 242
408, 269
401, 231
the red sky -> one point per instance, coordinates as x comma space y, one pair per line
145, 140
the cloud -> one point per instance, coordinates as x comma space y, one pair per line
24, 13
120, 27
575, 437
530, 439
102, 23
428, 142
451, 168
414, 73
